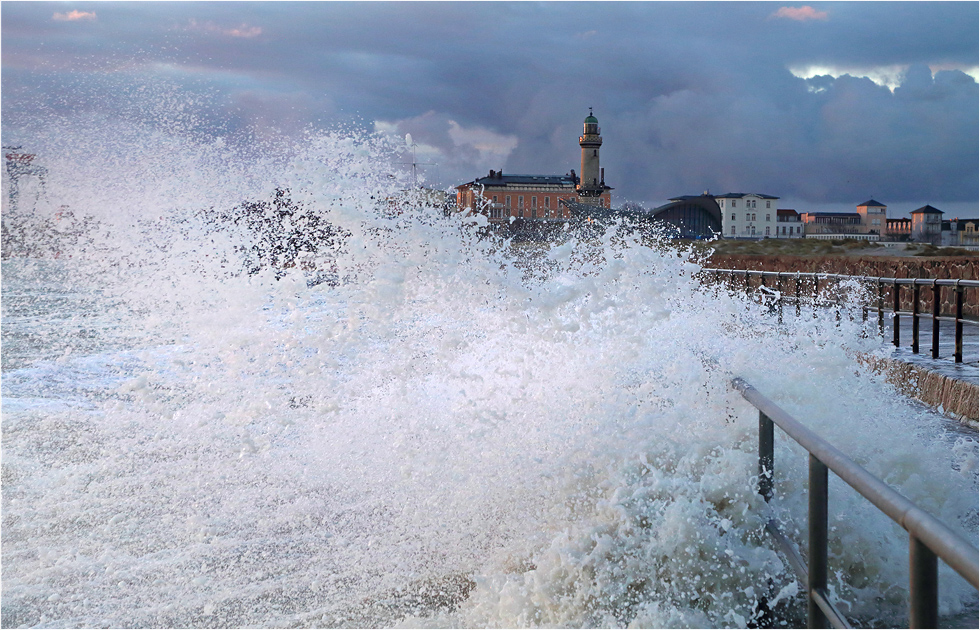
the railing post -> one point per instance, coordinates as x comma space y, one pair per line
816, 293
936, 303
817, 563
923, 585
864, 311
766, 442
796, 291
779, 290
958, 353
897, 303
915, 318
881, 307
838, 316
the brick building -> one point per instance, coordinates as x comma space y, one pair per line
505, 197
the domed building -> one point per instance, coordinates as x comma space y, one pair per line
694, 216
504, 198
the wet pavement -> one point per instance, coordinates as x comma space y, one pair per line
968, 370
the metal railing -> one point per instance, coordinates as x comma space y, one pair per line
880, 284
928, 537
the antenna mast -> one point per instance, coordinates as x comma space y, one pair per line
415, 164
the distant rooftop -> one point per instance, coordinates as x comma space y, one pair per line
872, 202
689, 197
740, 195
500, 179
927, 210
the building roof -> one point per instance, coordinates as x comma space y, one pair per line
706, 203
784, 212
740, 195
927, 210
833, 214
499, 179
961, 223
872, 202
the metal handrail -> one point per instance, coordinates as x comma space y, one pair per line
896, 285
928, 537
946, 282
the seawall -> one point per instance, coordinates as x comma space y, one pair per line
955, 397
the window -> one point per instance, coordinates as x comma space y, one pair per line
495, 198
734, 203
534, 202
797, 229
733, 230
768, 215
534, 212
507, 201
753, 216
767, 230
748, 217
547, 202
767, 203
753, 230
520, 203
733, 216
753, 203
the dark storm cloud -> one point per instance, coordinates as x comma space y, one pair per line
690, 95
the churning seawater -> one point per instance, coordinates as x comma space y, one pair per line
441, 429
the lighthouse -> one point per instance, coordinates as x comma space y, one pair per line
505, 199
592, 183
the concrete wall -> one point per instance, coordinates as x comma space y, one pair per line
957, 398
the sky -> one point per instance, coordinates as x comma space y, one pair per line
822, 104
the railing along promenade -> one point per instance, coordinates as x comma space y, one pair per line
806, 287
929, 539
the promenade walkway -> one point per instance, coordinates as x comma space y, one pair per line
968, 370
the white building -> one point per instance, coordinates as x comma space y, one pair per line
748, 215
788, 224
927, 225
